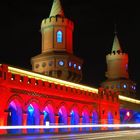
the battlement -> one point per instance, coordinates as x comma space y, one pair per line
108, 95
35, 79
57, 20
117, 56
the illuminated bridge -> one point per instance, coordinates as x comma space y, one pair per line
28, 98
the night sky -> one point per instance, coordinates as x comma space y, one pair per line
93, 35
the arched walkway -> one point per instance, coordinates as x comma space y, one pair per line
62, 119
125, 116
95, 120
74, 119
14, 116
48, 116
136, 117
110, 120
85, 119
33, 116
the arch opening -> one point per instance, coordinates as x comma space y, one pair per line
14, 116
85, 119
95, 120
33, 117
110, 120
74, 119
48, 117
62, 118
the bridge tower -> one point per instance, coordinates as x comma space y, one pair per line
56, 58
117, 71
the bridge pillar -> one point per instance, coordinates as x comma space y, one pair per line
116, 121
3, 122
80, 123
41, 123
24, 122
103, 121
69, 119
90, 122
56, 123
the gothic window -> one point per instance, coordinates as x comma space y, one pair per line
59, 36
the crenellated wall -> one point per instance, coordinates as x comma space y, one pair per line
24, 91
57, 20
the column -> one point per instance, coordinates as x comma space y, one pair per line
69, 123
56, 123
41, 123
90, 122
81, 123
103, 121
3, 122
24, 122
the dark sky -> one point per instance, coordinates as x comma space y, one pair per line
93, 35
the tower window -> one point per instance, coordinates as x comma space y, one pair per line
70, 64
75, 66
79, 67
61, 63
124, 86
59, 36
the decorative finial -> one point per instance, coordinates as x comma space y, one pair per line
56, 9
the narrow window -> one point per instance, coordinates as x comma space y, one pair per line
59, 36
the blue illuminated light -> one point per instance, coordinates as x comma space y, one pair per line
61, 63
59, 36
14, 117
124, 86
134, 88
30, 108
75, 66
79, 67
31, 118
110, 120
70, 64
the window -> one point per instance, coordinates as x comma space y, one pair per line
70, 64
37, 66
43, 64
75, 66
79, 67
50, 63
59, 36
61, 63
124, 86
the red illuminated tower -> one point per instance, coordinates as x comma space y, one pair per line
57, 59
117, 71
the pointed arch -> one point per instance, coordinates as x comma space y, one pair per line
74, 117
14, 115
59, 36
33, 115
85, 117
62, 116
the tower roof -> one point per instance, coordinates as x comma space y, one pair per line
56, 9
116, 45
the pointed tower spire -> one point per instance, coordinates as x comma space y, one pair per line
56, 9
116, 45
